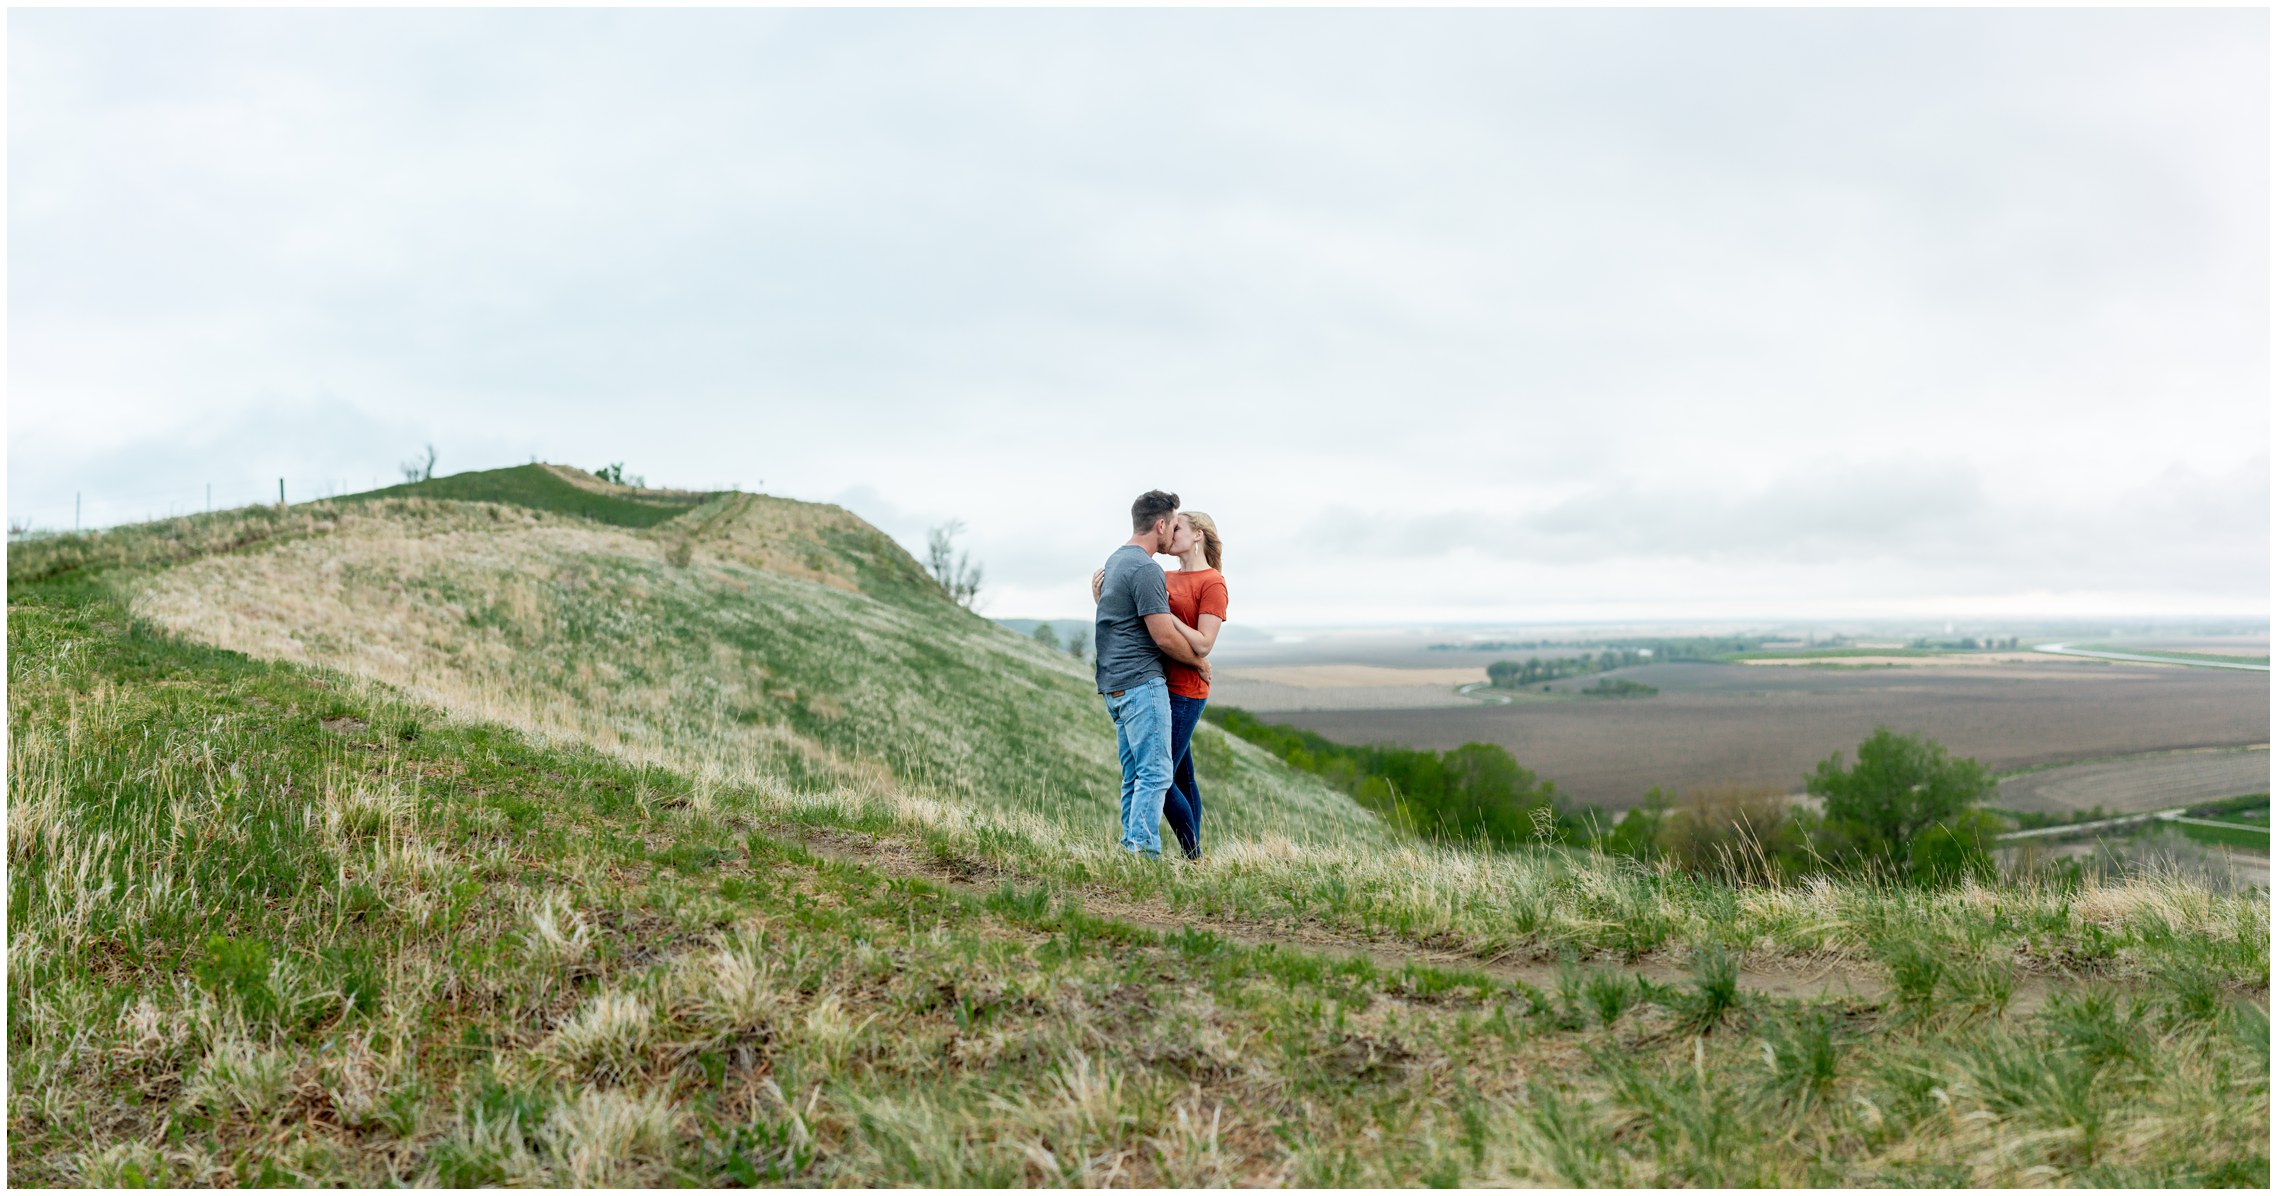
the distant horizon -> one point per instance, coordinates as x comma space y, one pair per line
2204, 624
1583, 615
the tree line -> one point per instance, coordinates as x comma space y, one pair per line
1517, 674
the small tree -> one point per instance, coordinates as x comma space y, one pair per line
420, 469
1901, 787
1043, 634
613, 473
958, 576
1079, 647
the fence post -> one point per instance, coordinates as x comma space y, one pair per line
280, 494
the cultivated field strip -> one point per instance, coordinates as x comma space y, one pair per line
1726, 724
2139, 784
1272, 697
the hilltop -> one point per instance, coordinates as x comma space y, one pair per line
519, 827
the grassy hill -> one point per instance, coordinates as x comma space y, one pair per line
474, 833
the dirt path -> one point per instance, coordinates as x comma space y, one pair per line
1793, 978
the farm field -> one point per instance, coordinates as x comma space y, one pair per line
1895, 660
2138, 784
2245, 647
1343, 687
1732, 723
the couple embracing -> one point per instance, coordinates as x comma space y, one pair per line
1154, 632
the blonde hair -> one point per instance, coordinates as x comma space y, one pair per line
1213, 549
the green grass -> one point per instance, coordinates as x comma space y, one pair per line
2226, 836
2252, 805
539, 488
270, 924
568, 864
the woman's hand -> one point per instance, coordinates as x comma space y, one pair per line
1098, 579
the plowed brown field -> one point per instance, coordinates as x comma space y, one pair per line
1728, 723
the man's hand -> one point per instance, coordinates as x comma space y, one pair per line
1170, 640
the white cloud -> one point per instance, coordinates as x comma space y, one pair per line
1549, 290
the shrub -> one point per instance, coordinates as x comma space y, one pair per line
1901, 786
1474, 792
1951, 852
1733, 832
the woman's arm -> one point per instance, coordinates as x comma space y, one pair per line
1206, 637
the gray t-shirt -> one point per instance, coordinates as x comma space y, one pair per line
1132, 590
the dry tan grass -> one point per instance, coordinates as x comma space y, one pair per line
1343, 676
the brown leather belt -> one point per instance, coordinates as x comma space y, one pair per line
1118, 693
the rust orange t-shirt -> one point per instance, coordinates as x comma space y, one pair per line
1192, 595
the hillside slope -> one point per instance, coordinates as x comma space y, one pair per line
269, 925
794, 648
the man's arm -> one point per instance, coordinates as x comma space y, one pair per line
1168, 636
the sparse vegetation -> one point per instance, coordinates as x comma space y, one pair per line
520, 856
955, 572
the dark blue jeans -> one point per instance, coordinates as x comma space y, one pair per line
1182, 806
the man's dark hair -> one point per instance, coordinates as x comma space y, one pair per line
1152, 505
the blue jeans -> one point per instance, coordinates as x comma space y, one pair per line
1142, 742
1182, 807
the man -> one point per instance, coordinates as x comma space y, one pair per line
1133, 631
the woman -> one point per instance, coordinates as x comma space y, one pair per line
1198, 599
1198, 602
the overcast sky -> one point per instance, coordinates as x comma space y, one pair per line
1443, 315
